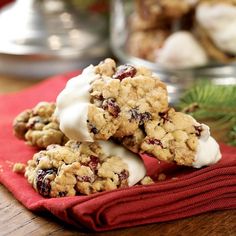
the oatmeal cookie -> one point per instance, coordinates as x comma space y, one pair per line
38, 126
174, 137
211, 49
145, 44
83, 168
159, 9
137, 23
109, 101
215, 27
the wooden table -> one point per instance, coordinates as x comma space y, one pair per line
16, 220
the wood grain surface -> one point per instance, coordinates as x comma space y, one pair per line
15, 219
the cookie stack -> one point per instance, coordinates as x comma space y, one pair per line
109, 113
202, 30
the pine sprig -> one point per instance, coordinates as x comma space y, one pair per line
212, 102
232, 136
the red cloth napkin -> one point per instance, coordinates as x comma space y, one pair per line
193, 192
5, 2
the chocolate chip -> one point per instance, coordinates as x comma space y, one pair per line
125, 71
111, 106
43, 183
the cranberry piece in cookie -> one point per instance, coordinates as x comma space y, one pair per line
43, 182
111, 106
198, 129
124, 71
154, 141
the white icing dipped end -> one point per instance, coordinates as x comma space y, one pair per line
181, 50
219, 20
135, 164
208, 150
72, 106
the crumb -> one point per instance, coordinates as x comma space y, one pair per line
161, 177
19, 168
146, 180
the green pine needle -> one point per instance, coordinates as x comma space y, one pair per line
232, 136
212, 102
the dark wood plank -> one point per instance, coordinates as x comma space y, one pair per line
17, 220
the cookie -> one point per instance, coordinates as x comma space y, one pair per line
193, 54
215, 28
162, 9
109, 101
145, 44
130, 105
176, 137
137, 23
211, 49
38, 126
83, 168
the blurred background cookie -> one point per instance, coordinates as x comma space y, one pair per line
216, 20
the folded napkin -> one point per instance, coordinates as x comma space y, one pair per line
191, 192
5, 2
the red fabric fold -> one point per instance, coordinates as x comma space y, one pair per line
192, 192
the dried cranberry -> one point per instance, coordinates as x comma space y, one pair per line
124, 71
144, 117
141, 117
43, 183
134, 114
164, 116
94, 130
154, 141
198, 130
93, 163
124, 174
84, 178
111, 106
99, 97
62, 194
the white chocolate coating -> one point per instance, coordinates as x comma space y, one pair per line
135, 164
72, 106
208, 151
219, 20
181, 50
